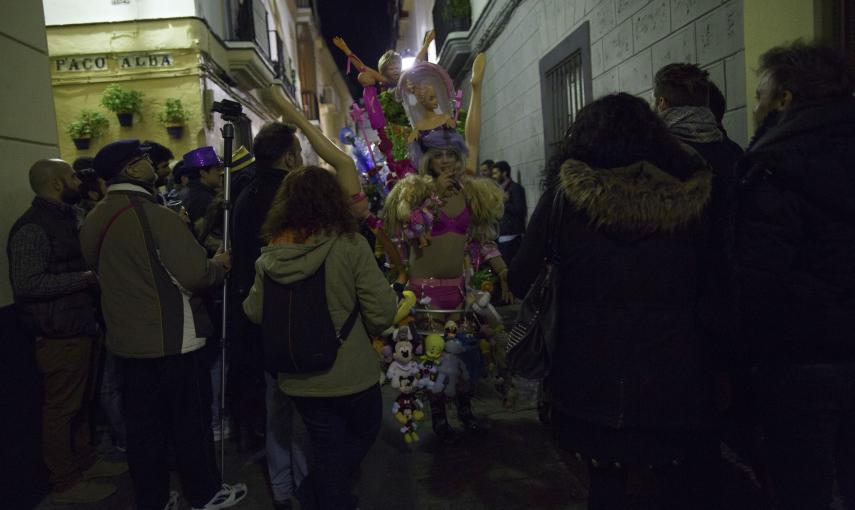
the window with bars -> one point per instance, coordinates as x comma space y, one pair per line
565, 86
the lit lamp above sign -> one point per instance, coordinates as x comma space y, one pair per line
101, 62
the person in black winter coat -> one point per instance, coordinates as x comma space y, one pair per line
795, 246
633, 370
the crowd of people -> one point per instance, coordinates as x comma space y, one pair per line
707, 295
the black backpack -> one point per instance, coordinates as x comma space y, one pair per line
298, 333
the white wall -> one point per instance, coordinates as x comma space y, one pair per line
413, 31
28, 123
70, 12
631, 39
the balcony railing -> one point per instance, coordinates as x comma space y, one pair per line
450, 16
251, 22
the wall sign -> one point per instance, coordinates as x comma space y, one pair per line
89, 63
144, 60
102, 62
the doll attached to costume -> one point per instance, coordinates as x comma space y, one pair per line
408, 409
431, 378
379, 83
403, 366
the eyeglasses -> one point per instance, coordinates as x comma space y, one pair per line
139, 158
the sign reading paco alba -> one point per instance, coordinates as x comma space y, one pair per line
102, 62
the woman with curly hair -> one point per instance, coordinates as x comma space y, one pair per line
311, 228
632, 382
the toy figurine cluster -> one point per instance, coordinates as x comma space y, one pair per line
433, 367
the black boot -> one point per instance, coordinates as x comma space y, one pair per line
466, 416
439, 420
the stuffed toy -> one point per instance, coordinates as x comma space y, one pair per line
408, 409
431, 378
403, 365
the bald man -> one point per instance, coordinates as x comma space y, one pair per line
56, 296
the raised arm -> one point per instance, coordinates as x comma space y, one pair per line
422, 55
345, 168
473, 116
366, 73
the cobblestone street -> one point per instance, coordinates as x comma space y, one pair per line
515, 465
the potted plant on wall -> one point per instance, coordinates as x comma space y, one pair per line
174, 116
125, 103
88, 125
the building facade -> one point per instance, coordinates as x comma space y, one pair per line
197, 51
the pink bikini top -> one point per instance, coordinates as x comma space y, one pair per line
458, 224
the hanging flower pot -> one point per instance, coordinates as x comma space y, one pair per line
82, 144
125, 119
88, 125
174, 116
125, 103
175, 130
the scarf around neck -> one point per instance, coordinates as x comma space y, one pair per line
692, 124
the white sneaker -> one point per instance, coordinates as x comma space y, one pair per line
174, 499
228, 496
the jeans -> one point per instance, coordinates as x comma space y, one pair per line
808, 418
169, 399
65, 365
111, 398
286, 463
342, 430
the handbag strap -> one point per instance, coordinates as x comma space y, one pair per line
556, 215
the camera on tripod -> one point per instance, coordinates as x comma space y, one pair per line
228, 109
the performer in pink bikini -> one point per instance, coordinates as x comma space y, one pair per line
447, 215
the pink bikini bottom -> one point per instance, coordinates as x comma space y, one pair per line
444, 293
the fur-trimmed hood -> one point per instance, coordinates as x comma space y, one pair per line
636, 198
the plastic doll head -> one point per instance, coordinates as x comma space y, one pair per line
425, 94
434, 345
389, 66
425, 80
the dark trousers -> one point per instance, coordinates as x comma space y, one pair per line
808, 418
65, 365
169, 399
341, 430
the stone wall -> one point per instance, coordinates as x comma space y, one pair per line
630, 40
27, 126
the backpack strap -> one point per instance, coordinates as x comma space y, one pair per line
109, 224
348, 324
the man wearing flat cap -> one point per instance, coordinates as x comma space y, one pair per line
205, 170
149, 266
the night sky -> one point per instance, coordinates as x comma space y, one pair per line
365, 25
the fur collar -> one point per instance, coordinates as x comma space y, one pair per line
636, 198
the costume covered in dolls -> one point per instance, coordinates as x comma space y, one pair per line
447, 219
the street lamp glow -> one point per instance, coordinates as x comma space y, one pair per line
407, 62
